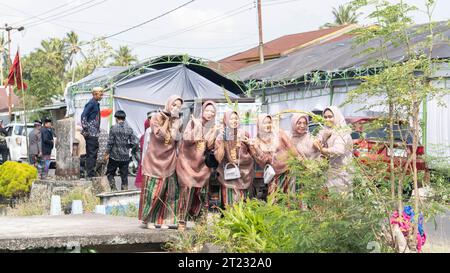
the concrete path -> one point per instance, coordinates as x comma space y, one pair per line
438, 235
36, 232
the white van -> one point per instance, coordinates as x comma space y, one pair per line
17, 144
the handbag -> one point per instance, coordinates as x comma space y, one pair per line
231, 173
269, 173
210, 159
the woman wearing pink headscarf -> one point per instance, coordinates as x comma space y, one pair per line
160, 191
272, 146
335, 142
193, 174
231, 146
301, 138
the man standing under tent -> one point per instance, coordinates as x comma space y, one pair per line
121, 140
90, 121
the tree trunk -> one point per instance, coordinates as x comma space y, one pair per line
391, 147
416, 125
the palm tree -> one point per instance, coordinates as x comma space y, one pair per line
54, 49
343, 15
123, 57
73, 47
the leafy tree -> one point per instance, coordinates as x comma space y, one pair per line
405, 86
4, 53
97, 55
123, 57
48, 69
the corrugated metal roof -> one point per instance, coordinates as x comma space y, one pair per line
338, 56
281, 46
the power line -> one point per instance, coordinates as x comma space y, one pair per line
66, 14
274, 3
43, 13
148, 21
206, 22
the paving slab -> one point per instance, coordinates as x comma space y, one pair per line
43, 232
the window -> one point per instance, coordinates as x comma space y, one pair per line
283, 96
275, 98
291, 96
18, 130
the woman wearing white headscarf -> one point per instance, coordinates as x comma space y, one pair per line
335, 142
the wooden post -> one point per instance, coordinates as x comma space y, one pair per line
261, 44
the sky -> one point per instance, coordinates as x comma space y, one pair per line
210, 29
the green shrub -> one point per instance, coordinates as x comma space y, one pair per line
16, 178
84, 194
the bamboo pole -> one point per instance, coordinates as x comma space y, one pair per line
24, 107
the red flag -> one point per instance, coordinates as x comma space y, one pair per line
15, 75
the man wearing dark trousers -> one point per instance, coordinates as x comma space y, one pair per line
3, 145
121, 140
90, 121
47, 144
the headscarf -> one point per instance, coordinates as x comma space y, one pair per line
227, 117
267, 141
339, 120
204, 105
339, 125
170, 100
295, 118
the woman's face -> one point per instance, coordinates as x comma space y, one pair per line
267, 125
234, 121
329, 118
301, 125
209, 113
175, 108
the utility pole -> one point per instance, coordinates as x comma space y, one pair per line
2, 50
261, 44
9, 29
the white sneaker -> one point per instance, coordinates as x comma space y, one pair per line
164, 226
151, 226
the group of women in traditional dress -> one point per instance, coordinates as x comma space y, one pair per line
176, 177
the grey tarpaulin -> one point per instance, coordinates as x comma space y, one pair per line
339, 56
149, 91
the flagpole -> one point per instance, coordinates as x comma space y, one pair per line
24, 107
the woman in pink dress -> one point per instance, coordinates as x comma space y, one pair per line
335, 143
273, 146
193, 174
301, 138
231, 146
161, 191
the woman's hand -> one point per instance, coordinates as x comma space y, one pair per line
196, 121
318, 145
